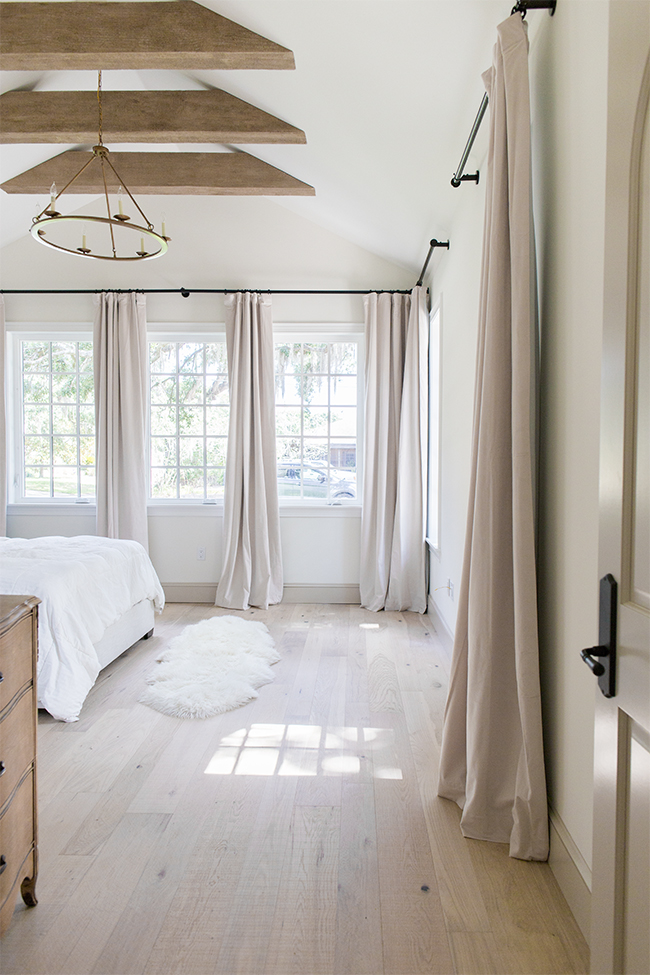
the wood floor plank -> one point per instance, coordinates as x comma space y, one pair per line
358, 934
302, 936
255, 896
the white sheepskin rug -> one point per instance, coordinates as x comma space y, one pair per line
211, 667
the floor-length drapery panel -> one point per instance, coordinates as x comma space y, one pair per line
393, 525
252, 561
120, 357
492, 760
3, 426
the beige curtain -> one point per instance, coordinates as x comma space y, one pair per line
492, 760
393, 524
120, 355
3, 427
252, 563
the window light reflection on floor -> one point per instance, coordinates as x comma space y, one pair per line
303, 750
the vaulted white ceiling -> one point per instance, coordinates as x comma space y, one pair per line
385, 90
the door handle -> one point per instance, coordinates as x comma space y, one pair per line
604, 668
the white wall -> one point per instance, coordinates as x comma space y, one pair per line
568, 59
245, 242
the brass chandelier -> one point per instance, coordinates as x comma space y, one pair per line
116, 224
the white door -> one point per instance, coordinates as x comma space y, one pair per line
620, 940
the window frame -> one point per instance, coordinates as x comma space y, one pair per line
168, 332
335, 332
17, 332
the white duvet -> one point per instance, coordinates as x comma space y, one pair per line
86, 583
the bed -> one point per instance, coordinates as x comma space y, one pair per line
98, 597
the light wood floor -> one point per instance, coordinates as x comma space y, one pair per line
299, 834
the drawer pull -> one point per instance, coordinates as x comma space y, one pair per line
3, 768
3, 863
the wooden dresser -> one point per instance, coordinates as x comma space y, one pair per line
18, 712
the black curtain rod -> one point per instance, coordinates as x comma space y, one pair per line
519, 8
186, 292
432, 244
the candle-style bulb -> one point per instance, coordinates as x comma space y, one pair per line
52, 196
163, 234
142, 244
119, 202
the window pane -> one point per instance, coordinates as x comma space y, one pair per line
315, 452
164, 482
343, 422
191, 451
314, 390
37, 450
85, 357
191, 482
216, 420
163, 389
216, 359
190, 357
86, 419
216, 389
36, 356
87, 478
64, 356
36, 389
287, 420
37, 482
215, 451
343, 391
64, 450
316, 421
162, 356
315, 357
343, 357
37, 419
65, 482
190, 390
64, 388
163, 419
86, 387
288, 358
288, 448
163, 451
288, 390
190, 419
64, 419
87, 451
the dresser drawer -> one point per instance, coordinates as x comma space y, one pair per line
17, 745
16, 840
16, 657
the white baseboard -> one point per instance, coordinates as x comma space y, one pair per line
443, 632
190, 592
572, 873
312, 593
202, 592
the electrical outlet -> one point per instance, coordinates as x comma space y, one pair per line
450, 587
200, 554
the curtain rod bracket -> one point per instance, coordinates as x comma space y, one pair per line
432, 244
523, 5
466, 178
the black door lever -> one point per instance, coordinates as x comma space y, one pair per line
606, 650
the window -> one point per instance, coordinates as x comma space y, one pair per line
188, 419
56, 429
316, 415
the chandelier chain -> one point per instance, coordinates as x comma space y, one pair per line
99, 101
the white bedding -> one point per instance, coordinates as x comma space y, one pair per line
85, 583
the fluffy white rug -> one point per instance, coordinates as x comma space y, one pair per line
211, 667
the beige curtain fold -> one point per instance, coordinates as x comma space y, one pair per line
492, 761
252, 562
3, 424
393, 524
120, 356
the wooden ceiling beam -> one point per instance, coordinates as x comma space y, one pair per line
89, 35
138, 116
163, 173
